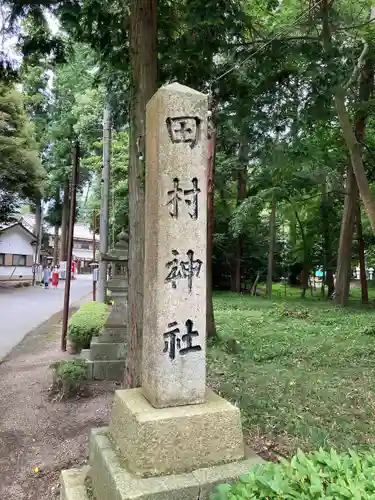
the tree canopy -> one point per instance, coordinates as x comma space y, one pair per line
21, 172
291, 90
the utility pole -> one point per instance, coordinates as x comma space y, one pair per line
93, 254
75, 155
38, 232
104, 203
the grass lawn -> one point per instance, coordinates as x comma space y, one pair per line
303, 371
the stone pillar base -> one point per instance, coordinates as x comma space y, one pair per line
178, 453
111, 480
176, 439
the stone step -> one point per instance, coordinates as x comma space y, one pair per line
112, 335
107, 350
106, 369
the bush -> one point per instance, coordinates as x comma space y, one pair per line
68, 376
323, 475
108, 298
86, 323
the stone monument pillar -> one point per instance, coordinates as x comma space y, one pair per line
171, 439
106, 356
174, 340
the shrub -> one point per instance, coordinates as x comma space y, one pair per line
86, 323
323, 475
108, 298
68, 376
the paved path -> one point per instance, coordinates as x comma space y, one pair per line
23, 309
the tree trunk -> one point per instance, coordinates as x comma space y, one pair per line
271, 249
210, 318
143, 59
304, 280
253, 290
366, 86
241, 195
344, 258
351, 203
327, 243
329, 282
304, 277
235, 279
56, 245
347, 128
361, 252
64, 222
356, 159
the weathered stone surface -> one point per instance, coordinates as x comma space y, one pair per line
104, 351
107, 351
85, 354
117, 316
172, 439
195, 486
116, 483
118, 285
108, 370
112, 480
164, 441
113, 334
106, 356
105, 370
73, 484
174, 367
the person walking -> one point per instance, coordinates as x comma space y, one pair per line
55, 277
46, 276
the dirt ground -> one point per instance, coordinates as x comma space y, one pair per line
35, 432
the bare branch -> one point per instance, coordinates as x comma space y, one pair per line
359, 65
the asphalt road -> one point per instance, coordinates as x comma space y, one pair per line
23, 309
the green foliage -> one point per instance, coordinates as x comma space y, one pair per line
68, 376
35, 81
272, 85
118, 207
321, 474
86, 323
21, 172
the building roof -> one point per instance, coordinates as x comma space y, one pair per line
81, 231
83, 254
6, 227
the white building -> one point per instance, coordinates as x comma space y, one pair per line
17, 252
83, 242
